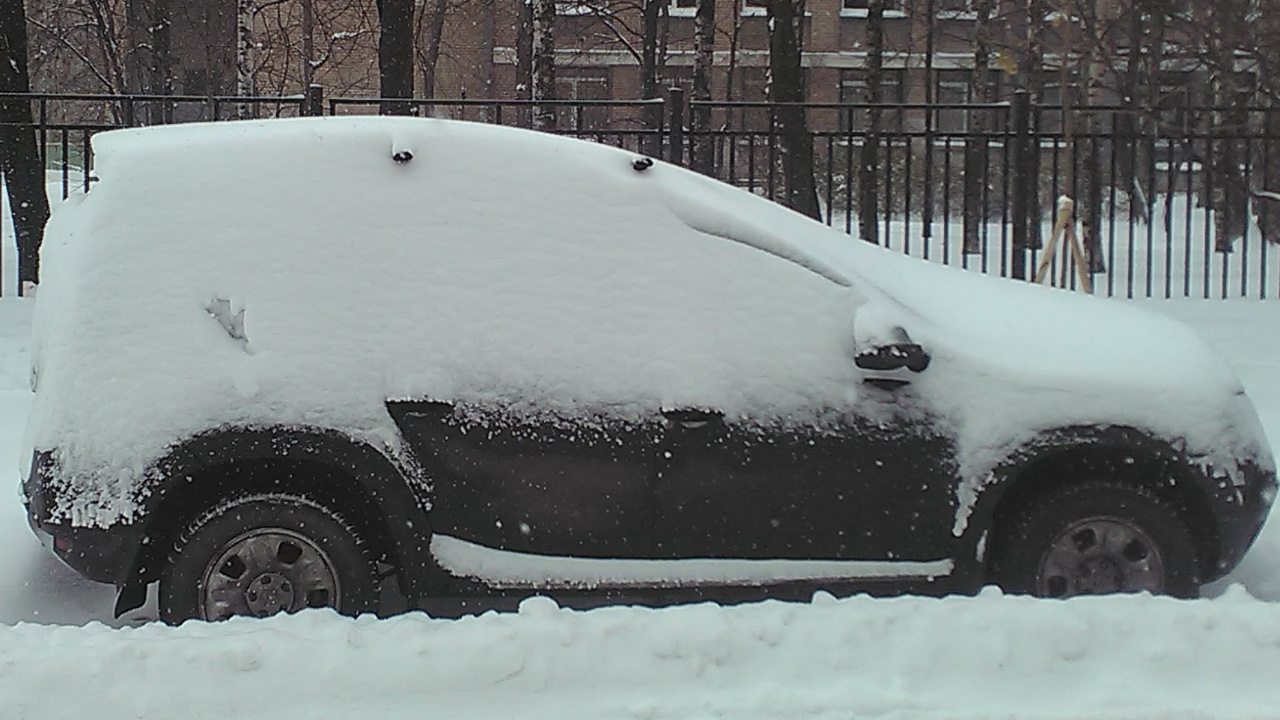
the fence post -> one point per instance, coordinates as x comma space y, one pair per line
313, 101
1023, 177
675, 137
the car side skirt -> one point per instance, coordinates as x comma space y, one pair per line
504, 569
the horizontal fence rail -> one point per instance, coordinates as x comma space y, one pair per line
1169, 203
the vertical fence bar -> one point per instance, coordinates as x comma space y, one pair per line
848, 175
830, 180
888, 189
906, 193
1268, 117
1022, 179
1244, 239
675, 134
313, 101
946, 201
1110, 144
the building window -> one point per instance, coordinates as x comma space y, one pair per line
853, 91
574, 83
953, 7
682, 8
579, 7
953, 89
1174, 100
752, 86
858, 8
680, 76
1050, 114
755, 8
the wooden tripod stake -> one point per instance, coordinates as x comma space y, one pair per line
1064, 229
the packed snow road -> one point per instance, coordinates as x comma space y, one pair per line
63, 656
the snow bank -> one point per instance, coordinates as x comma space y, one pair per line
1130, 658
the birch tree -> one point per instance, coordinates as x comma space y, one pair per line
543, 62
704, 43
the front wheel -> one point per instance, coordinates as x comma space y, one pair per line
264, 554
1094, 539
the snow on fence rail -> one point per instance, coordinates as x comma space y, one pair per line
1182, 206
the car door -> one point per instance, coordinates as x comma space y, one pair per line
576, 489
857, 489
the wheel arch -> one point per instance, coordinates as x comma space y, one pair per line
1079, 455
383, 496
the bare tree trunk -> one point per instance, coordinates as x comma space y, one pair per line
1088, 161
487, 45
1230, 197
308, 44
786, 89
735, 35
1126, 141
1032, 64
135, 41
1268, 209
524, 49
704, 45
19, 155
650, 14
1227, 196
122, 73
244, 56
395, 55
429, 54
161, 60
869, 160
930, 117
544, 63
975, 148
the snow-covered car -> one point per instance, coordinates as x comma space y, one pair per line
276, 362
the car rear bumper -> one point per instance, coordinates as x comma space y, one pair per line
100, 554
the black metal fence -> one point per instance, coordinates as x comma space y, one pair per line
1171, 204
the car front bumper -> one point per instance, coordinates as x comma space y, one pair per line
1241, 510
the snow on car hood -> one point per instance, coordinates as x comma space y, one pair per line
293, 272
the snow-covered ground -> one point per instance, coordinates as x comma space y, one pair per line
62, 656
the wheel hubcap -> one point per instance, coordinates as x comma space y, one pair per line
1100, 555
267, 571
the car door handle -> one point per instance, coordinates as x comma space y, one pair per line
692, 418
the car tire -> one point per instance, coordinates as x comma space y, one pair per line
1097, 538
259, 555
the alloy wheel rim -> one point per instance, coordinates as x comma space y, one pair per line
1100, 555
267, 571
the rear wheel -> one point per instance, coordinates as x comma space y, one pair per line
264, 554
1094, 539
